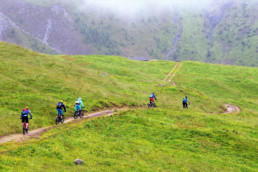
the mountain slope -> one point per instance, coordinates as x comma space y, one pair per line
226, 33
166, 138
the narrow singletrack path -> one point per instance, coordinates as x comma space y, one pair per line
36, 133
172, 73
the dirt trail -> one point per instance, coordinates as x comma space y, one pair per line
36, 133
232, 109
172, 73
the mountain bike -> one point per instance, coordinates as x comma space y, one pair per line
59, 119
185, 105
78, 114
24, 130
152, 104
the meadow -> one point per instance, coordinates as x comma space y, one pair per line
201, 138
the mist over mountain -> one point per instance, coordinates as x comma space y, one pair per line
224, 32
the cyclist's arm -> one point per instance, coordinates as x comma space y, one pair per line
81, 103
64, 107
155, 97
30, 114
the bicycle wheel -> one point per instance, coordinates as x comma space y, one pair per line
63, 118
76, 114
24, 130
57, 120
82, 113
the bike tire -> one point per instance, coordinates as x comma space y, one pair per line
57, 121
154, 105
82, 113
76, 114
63, 118
24, 130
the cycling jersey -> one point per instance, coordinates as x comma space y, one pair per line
153, 96
24, 115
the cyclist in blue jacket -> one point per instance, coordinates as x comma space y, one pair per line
79, 105
185, 102
152, 96
59, 108
24, 117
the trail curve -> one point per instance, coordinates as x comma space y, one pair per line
232, 109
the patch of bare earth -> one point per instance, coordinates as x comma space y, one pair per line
232, 109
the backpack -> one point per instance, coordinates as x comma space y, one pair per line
184, 100
24, 112
151, 95
59, 105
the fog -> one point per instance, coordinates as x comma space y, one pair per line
131, 7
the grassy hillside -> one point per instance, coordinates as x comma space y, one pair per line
230, 84
40, 81
167, 138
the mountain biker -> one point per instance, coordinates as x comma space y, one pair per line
24, 117
79, 105
59, 108
152, 96
185, 101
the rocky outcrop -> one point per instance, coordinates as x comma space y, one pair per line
53, 26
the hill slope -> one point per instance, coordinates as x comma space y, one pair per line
201, 138
225, 32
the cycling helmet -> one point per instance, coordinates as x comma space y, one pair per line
185, 96
26, 107
79, 99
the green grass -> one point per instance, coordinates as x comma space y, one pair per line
228, 84
40, 81
168, 138
143, 140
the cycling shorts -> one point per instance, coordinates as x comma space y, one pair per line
151, 99
25, 119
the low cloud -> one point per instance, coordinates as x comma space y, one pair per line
130, 7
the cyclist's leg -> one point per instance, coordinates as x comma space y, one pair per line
80, 109
57, 113
23, 121
61, 113
27, 122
